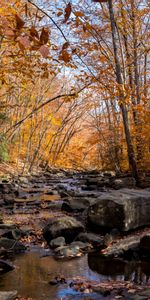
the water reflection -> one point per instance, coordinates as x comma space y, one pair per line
138, 272
32, 274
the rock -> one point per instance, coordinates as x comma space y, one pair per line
6, 188
14, 233
65, 226
124, 210
97, 182
108, 239
9, 199
68, 251
143, 295
5, 266
109, 173
145, 243
10, 231
58, 280
58, 242
91, 238
8, 295
82, 246
7, 226
77, 204
12, 245
124, 248
119, 183
111, 237
24, 180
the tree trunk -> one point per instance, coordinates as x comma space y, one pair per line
131, 154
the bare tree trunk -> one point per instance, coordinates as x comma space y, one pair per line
131, 154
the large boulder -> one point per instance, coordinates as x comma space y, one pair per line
125, 210
65, 226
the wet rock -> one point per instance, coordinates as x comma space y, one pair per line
23, 195
63, 194
109, 173
4, 226
5, 266
52, 192
139, 295
91, 238
58, 242
145, 182
66, 226
77, 204
24, 180
62, 187
15, 234
111, 237
125, 210
6, 188
12, 245
119, 183
8, 295
123, 248
84, 246
9, 199
108, 239
58, 280
68, 251
98, 182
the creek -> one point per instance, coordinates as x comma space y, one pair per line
36, 267
33, 271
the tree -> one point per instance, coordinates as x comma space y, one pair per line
131, 154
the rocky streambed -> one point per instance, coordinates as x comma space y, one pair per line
63, 235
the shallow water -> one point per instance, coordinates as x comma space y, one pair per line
33, 272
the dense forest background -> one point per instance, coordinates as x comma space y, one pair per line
74, 84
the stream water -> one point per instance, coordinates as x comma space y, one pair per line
33, 272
